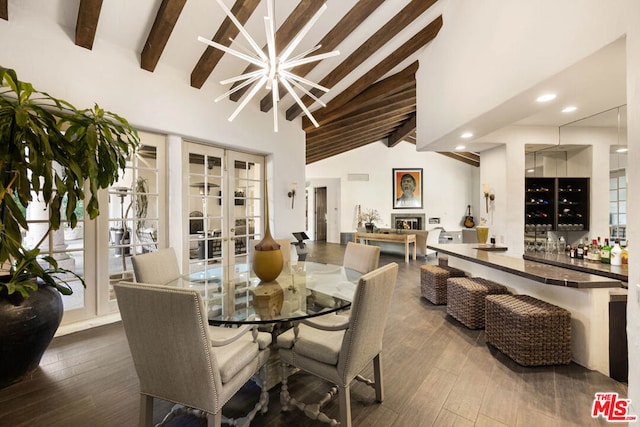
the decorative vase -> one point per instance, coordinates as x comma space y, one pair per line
267, 258
483, 233
27, 326
369, 227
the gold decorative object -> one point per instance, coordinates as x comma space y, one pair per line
267, 258
267, 300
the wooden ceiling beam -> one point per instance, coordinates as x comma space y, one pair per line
4, 9
468, 158
87, 22
416, 42
394, 115
242, 10
401, 133
161, 30
287, 31
331, 40
400, 82
387, 126
396, 24
395, 102
334, 150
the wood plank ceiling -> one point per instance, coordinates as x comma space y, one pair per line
375, 107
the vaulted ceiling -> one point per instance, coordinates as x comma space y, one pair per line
372, 82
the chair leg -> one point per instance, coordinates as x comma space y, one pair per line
377, 377
214, 420
146, 410
344, 394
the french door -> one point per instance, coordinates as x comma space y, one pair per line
223, 208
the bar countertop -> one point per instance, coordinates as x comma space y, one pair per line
619, 272
537, 271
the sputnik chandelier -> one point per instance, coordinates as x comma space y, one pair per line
274, 68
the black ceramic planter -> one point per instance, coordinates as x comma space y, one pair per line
27, 327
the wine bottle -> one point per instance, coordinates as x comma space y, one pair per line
605, 253
580, 251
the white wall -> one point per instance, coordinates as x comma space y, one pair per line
162, 101
449, 185
515, 46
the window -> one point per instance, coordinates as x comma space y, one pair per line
618, 205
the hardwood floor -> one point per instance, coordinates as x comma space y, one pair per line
436, 372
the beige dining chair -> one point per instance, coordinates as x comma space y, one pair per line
159, 267
360, 257
338, 348
177, 358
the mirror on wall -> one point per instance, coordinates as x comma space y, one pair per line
572, 157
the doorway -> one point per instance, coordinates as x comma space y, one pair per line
321, 214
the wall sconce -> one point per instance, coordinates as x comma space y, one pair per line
292, 192
485, 190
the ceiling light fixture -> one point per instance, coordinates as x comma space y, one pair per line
622, 150
466, 135
274, 68
460, 147
546, 97
569, 109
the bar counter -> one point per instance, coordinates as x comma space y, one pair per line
543, 272
586, 296
619, 272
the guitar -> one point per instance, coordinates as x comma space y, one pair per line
468, 219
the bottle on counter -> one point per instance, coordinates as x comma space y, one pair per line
580, 250
605, 252
594, 252
625, 254
616, 253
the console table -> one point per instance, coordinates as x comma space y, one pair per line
392, 238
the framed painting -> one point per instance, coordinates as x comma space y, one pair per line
407, 188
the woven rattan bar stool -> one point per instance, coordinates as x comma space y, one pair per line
465, 299
530, 331
433, 281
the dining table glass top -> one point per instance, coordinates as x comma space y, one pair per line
302, 290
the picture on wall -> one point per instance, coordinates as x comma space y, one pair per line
407, 188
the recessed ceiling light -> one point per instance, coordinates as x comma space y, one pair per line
546, 97
569, 109
531, 170
460, 147
466, 135
622, 150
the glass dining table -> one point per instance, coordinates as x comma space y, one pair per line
235, 296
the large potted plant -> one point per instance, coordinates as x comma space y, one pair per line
49, 151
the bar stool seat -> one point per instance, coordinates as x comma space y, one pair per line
465, 299
433, 281
530, 331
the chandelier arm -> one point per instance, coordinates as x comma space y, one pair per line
240, 55
275, 95
271, 49
290, 64
237, 88
298, 38
290, 75
305, 53
247, 98
303, 89
244, 32
242, 77
304, 108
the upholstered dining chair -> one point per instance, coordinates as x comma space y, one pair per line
361, 258
177, 358
337, 348
433, 238
159, 267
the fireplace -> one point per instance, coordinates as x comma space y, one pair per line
414, 221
